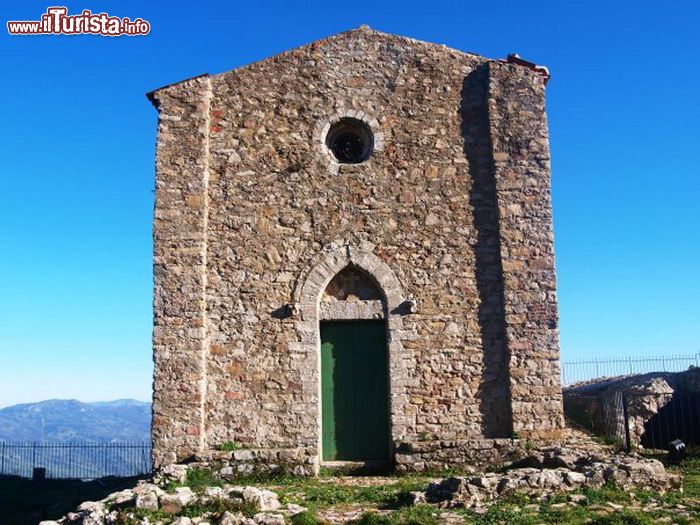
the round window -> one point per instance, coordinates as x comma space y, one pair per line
350, 140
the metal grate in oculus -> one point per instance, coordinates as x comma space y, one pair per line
350, 140
75, 460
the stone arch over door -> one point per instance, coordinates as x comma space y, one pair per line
310, 311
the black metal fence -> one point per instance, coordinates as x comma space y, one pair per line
652, 421
585, 370
638, 419
75, 460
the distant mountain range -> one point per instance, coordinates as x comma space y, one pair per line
65, 420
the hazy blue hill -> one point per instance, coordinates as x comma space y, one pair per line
70, 420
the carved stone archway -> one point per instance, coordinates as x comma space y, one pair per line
307, 298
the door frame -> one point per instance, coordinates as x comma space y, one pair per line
307, 316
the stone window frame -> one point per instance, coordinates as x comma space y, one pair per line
307, 297
323, 126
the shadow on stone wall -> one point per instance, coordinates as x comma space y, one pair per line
494, 399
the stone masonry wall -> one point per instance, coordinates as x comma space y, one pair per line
179, 261
451, 213
520, 142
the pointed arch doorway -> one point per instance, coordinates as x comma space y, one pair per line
355, 408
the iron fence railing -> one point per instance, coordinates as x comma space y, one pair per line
638, 420
75, 460
653, 420
584, 370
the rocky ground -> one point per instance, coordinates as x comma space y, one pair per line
558, 485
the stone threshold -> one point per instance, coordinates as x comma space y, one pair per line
366, 467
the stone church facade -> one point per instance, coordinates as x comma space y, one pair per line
354, 259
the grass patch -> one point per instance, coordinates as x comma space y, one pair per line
515, 509
317, 493
607, 493
281, 476
500, 514
197, 479
305, 518
507, 514
418, 515
631, 518
689, 468
228, 446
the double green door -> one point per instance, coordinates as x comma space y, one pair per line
354, 391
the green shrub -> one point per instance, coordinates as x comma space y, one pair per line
228, 446
373, 518
281, 476
608, 492
502, 514
305, 518
199, 478
315, 493
624, 518
418, 515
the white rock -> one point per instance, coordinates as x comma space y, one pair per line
91, 506
120, 497
145, 487
227, 473
292, 509
245, 469
185, 492
174, 472
485, 482
268, 518
95, 517
174, 503
243, 455
579, 499
214, 492
263, 499
147, 501
574, 479
230, 518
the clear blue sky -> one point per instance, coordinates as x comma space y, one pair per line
77, 152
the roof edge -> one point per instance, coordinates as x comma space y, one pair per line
363, 28
516, 59
151, 95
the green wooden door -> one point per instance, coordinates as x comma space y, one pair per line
355, 391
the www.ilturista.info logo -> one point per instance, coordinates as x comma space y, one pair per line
57, 21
